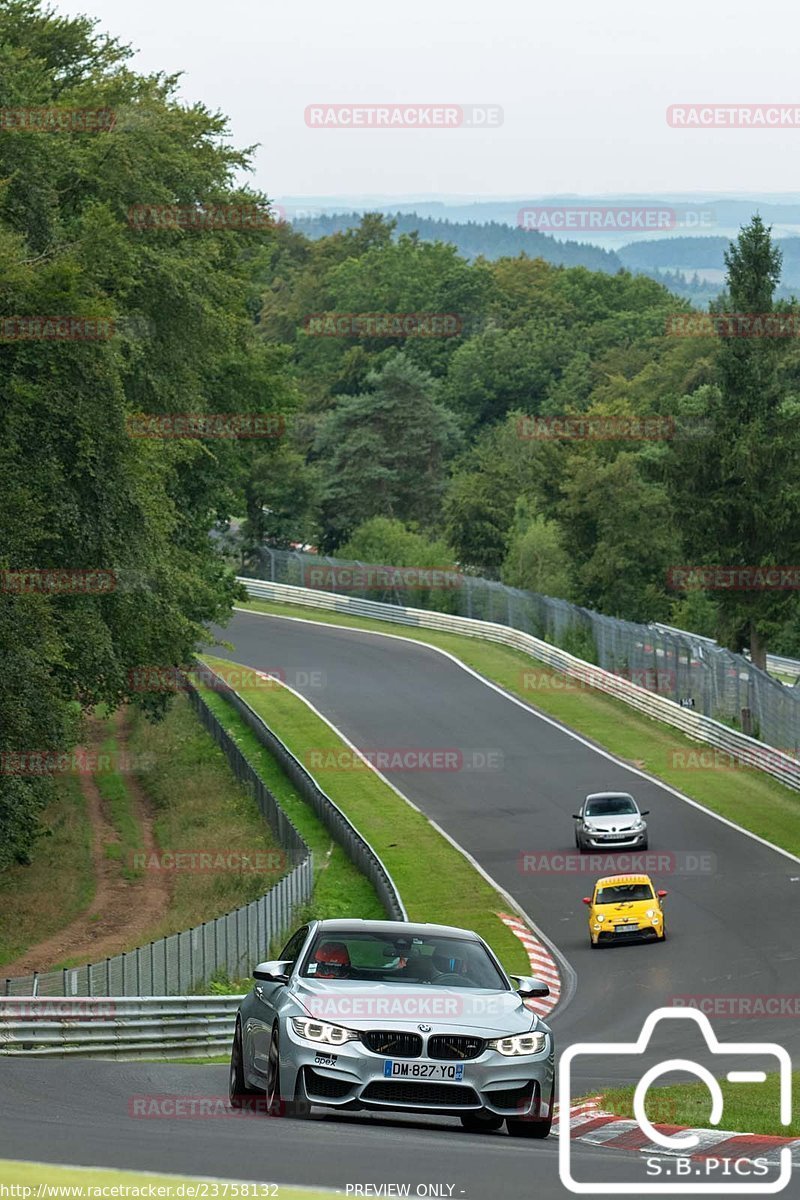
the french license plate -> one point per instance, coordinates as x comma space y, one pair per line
626, 929
422, 1070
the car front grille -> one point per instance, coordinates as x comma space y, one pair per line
455, 1046
326, 1085
393, 1044
436, 1095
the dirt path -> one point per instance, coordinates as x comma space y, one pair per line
123, 913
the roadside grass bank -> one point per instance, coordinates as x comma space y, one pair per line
39, 899
437, 883
746, 796
119, 806
340, 890
747, 1109
202, 814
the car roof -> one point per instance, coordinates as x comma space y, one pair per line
610, 880
392, 928
609, 796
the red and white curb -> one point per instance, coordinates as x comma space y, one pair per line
591, 1124
543, 965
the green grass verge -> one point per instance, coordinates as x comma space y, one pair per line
340, 890
77, 1182
200, 808
39, 899
119, 806
750, 798
436, 882
748, 1108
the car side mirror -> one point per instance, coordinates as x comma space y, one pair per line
644, 812
576, 816
662, 894
529, 987
587, 899
274, 971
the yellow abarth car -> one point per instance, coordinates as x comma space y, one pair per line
625, 908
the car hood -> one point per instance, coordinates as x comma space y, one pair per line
630, 910
608, 824
365, 1005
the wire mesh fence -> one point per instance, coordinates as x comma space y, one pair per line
689, 669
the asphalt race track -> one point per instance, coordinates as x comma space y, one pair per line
732, 930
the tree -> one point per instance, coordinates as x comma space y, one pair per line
536, 558
383, 452
741, 502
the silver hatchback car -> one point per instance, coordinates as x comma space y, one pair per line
389, 1015
610, 821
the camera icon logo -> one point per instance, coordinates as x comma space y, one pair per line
681, 1143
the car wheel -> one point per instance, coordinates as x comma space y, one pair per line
528, 1129
481, 1122
663, 933
238, 1089
594, 944
644, 844
277, 1105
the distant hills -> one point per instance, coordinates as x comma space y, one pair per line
690, 266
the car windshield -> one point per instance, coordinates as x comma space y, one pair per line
374, 956
624, 893
610, 806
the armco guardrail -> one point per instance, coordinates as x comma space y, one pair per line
186, 961
789, 667
146, 1027
742, 749
673, 663
356, 847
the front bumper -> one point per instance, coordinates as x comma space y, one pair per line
613, 841
646, 932
352, 1077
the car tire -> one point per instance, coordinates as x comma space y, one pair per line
481, 1122
529, 1129
238, 1089
594, 944
644, 844
278, 1105
663, 937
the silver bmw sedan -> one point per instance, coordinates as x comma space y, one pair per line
394, 1016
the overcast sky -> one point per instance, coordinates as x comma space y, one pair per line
584, 89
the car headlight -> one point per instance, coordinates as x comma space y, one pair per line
322, 1031
601, 916
523, 1043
